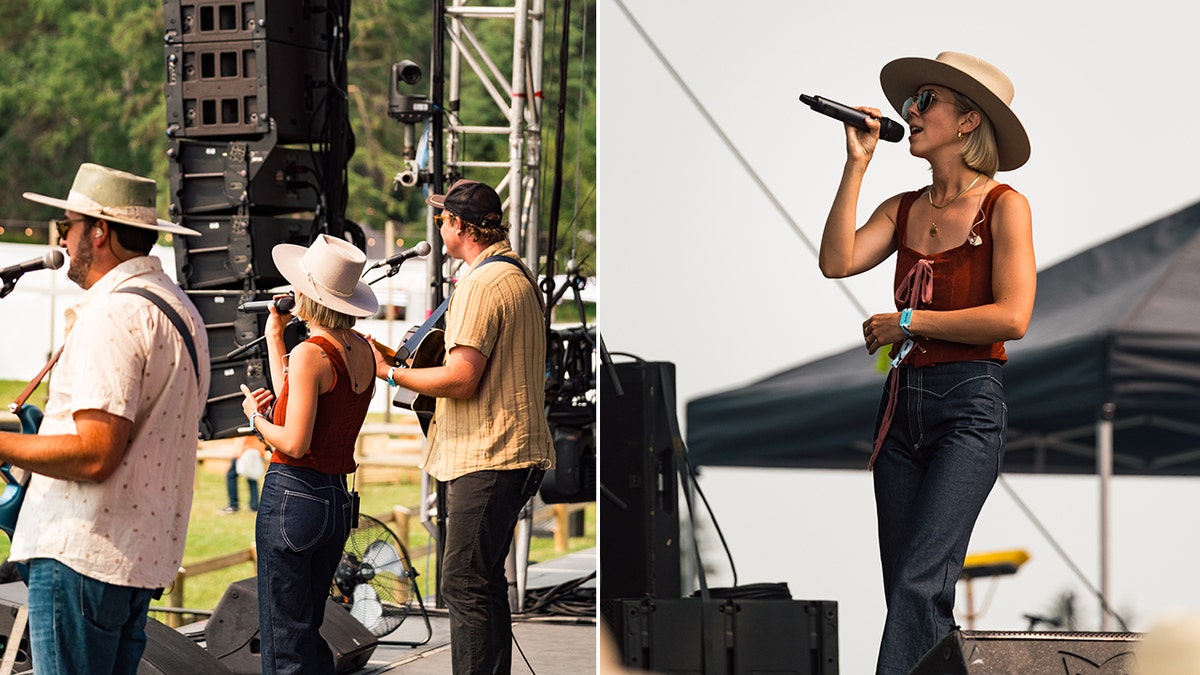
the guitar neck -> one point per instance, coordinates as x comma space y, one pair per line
388, 352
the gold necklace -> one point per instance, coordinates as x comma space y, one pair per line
933, 231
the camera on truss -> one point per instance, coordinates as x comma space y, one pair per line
407, 107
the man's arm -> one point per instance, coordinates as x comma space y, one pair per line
91, 454
457, 378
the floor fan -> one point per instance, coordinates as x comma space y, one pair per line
375, 581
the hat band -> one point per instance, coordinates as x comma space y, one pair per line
144, 214
322, 287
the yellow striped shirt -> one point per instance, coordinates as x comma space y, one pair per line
494, 309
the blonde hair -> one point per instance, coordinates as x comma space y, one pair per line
312, 312
979, 150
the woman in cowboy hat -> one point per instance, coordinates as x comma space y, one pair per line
964, 284
326, 383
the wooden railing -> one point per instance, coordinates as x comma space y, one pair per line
399, 515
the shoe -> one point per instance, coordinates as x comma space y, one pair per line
228, 510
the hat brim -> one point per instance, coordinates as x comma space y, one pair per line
159, 225
361, 303
436, 201
900, 79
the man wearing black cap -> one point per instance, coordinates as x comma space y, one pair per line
488, 441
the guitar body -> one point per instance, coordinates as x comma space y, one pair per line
14, 490
428, 351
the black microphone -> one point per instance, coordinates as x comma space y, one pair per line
283, 305
52, 260
889, 130
417, 251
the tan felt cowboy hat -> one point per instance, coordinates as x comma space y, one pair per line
115, 196
972, 77
328, 272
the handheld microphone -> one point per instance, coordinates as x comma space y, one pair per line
283, 305
52, 260
421, 249
889, 130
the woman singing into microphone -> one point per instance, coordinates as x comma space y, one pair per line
964, 284
326, 384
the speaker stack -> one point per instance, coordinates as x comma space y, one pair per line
248, 116
1030, 653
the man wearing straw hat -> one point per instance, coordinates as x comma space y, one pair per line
103, 525
489, 441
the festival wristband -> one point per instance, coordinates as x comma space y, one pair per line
906, 321
390, 381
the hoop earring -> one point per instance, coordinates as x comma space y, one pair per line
960, 135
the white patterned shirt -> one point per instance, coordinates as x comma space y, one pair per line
123, 356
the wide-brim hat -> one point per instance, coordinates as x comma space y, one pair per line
328, 272
470, 200
116, 196
972, 77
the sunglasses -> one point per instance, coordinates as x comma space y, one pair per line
922, 100
443, 218
64, 225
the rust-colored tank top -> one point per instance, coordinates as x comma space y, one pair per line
340, 414
962, 277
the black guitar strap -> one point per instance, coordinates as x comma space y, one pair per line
404, 352
176, 320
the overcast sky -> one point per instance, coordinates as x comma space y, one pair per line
701, 269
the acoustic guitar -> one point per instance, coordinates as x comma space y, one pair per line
14, 488
419, 349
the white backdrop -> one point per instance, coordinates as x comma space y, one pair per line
700, 269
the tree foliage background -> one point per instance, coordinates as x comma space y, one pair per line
83, 80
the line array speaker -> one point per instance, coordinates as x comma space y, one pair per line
1030, 653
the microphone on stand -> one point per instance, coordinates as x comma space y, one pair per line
283, 305
889, 130
52, 260
421, 249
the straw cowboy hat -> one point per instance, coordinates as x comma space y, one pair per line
115, 196
972, 77
328, 272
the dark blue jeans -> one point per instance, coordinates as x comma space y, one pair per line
481, 512
231, 486
80, 625
941, 457
301, 529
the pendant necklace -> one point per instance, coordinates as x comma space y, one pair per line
933, 230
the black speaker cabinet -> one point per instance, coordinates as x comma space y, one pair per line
1030, 653
731, 637
169, 652
232, 632
639, 552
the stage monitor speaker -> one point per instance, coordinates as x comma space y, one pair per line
232, 632
639, 486
685, 636
1030, 653
168, 652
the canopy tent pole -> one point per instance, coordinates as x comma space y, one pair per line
1104, 467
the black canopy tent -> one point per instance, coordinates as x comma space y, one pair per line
1106, 379
1115, 335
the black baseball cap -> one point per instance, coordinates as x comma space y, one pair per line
470, 200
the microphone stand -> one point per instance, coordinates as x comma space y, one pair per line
10, 282
253, 344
